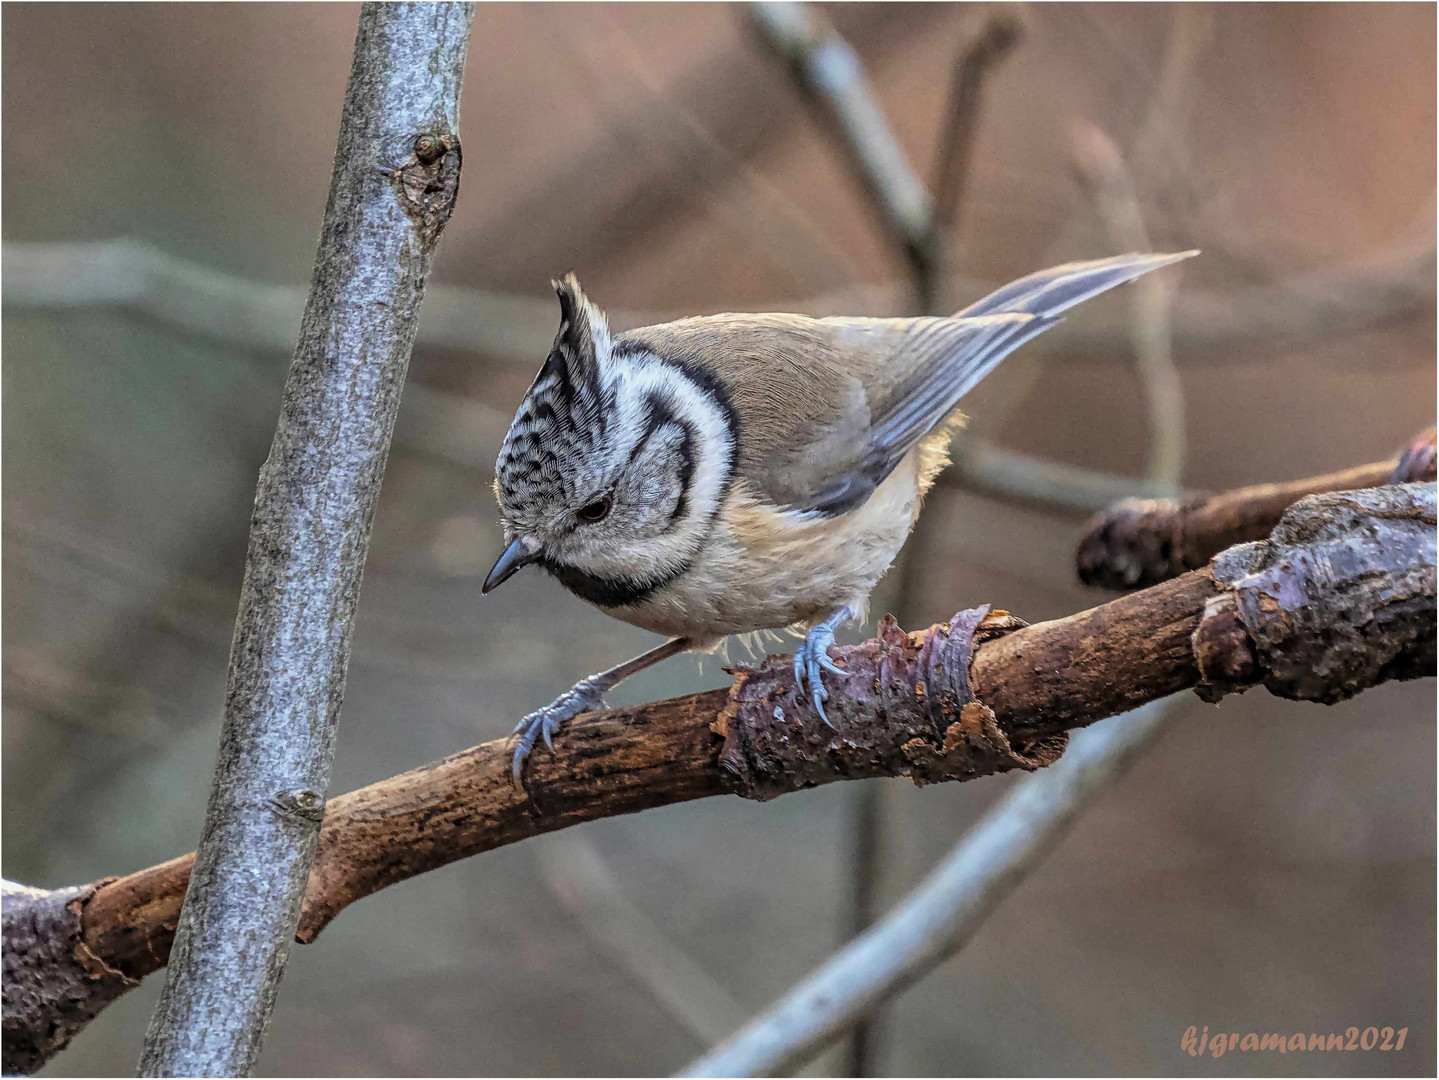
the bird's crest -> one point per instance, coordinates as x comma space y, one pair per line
563, 415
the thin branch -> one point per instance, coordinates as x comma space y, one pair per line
937, 919
1001, 31
578, 876
1354, 578
830, 75
981, 466
866, 828
783, 231
1112, 187
394, 185
1143, 541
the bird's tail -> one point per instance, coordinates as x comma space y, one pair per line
1051, 292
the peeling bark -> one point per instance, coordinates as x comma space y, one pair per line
1318, 621
1341, 598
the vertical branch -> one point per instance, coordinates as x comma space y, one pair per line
393, 187
1110, 180
999, 34
867, 834
830, 74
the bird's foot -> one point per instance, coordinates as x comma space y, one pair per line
584, 696
809, 658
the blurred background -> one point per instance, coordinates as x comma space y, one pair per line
1267, 866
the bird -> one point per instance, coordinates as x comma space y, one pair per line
724, 474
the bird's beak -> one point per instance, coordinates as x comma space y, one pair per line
521, 552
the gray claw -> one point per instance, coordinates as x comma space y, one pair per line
543, 723
811, 659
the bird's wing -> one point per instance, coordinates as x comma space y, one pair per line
828, 407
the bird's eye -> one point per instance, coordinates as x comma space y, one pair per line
596, 511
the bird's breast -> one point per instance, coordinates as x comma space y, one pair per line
764, 567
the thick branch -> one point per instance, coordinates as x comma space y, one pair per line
1342, 598
54, 985
1139, 542
394, 185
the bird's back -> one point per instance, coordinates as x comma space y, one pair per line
805, 392
828, 407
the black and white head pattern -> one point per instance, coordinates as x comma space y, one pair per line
616, 462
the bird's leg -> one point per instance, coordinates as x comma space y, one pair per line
585, 696
813, 654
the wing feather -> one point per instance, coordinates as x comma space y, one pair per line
829, 407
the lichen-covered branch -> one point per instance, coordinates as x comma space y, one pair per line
394, 186
1340, 599
54, 985
1139, 542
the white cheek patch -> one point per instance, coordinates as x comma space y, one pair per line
639, 383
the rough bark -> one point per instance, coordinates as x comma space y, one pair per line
1340, 599
54, 984
394, 184
1139, 542
1305, 612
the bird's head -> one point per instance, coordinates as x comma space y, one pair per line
613, 466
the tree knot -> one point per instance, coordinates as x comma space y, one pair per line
302, 803
428, 181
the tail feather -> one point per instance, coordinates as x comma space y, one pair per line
1056, 290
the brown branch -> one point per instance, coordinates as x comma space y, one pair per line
1341, 598
1140, 542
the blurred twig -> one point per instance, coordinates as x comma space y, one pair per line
1314, 306
579, 877
938, 918
309, 537
832, 78
1112, 187
781, 229
135, 275
981, 466
997, 35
